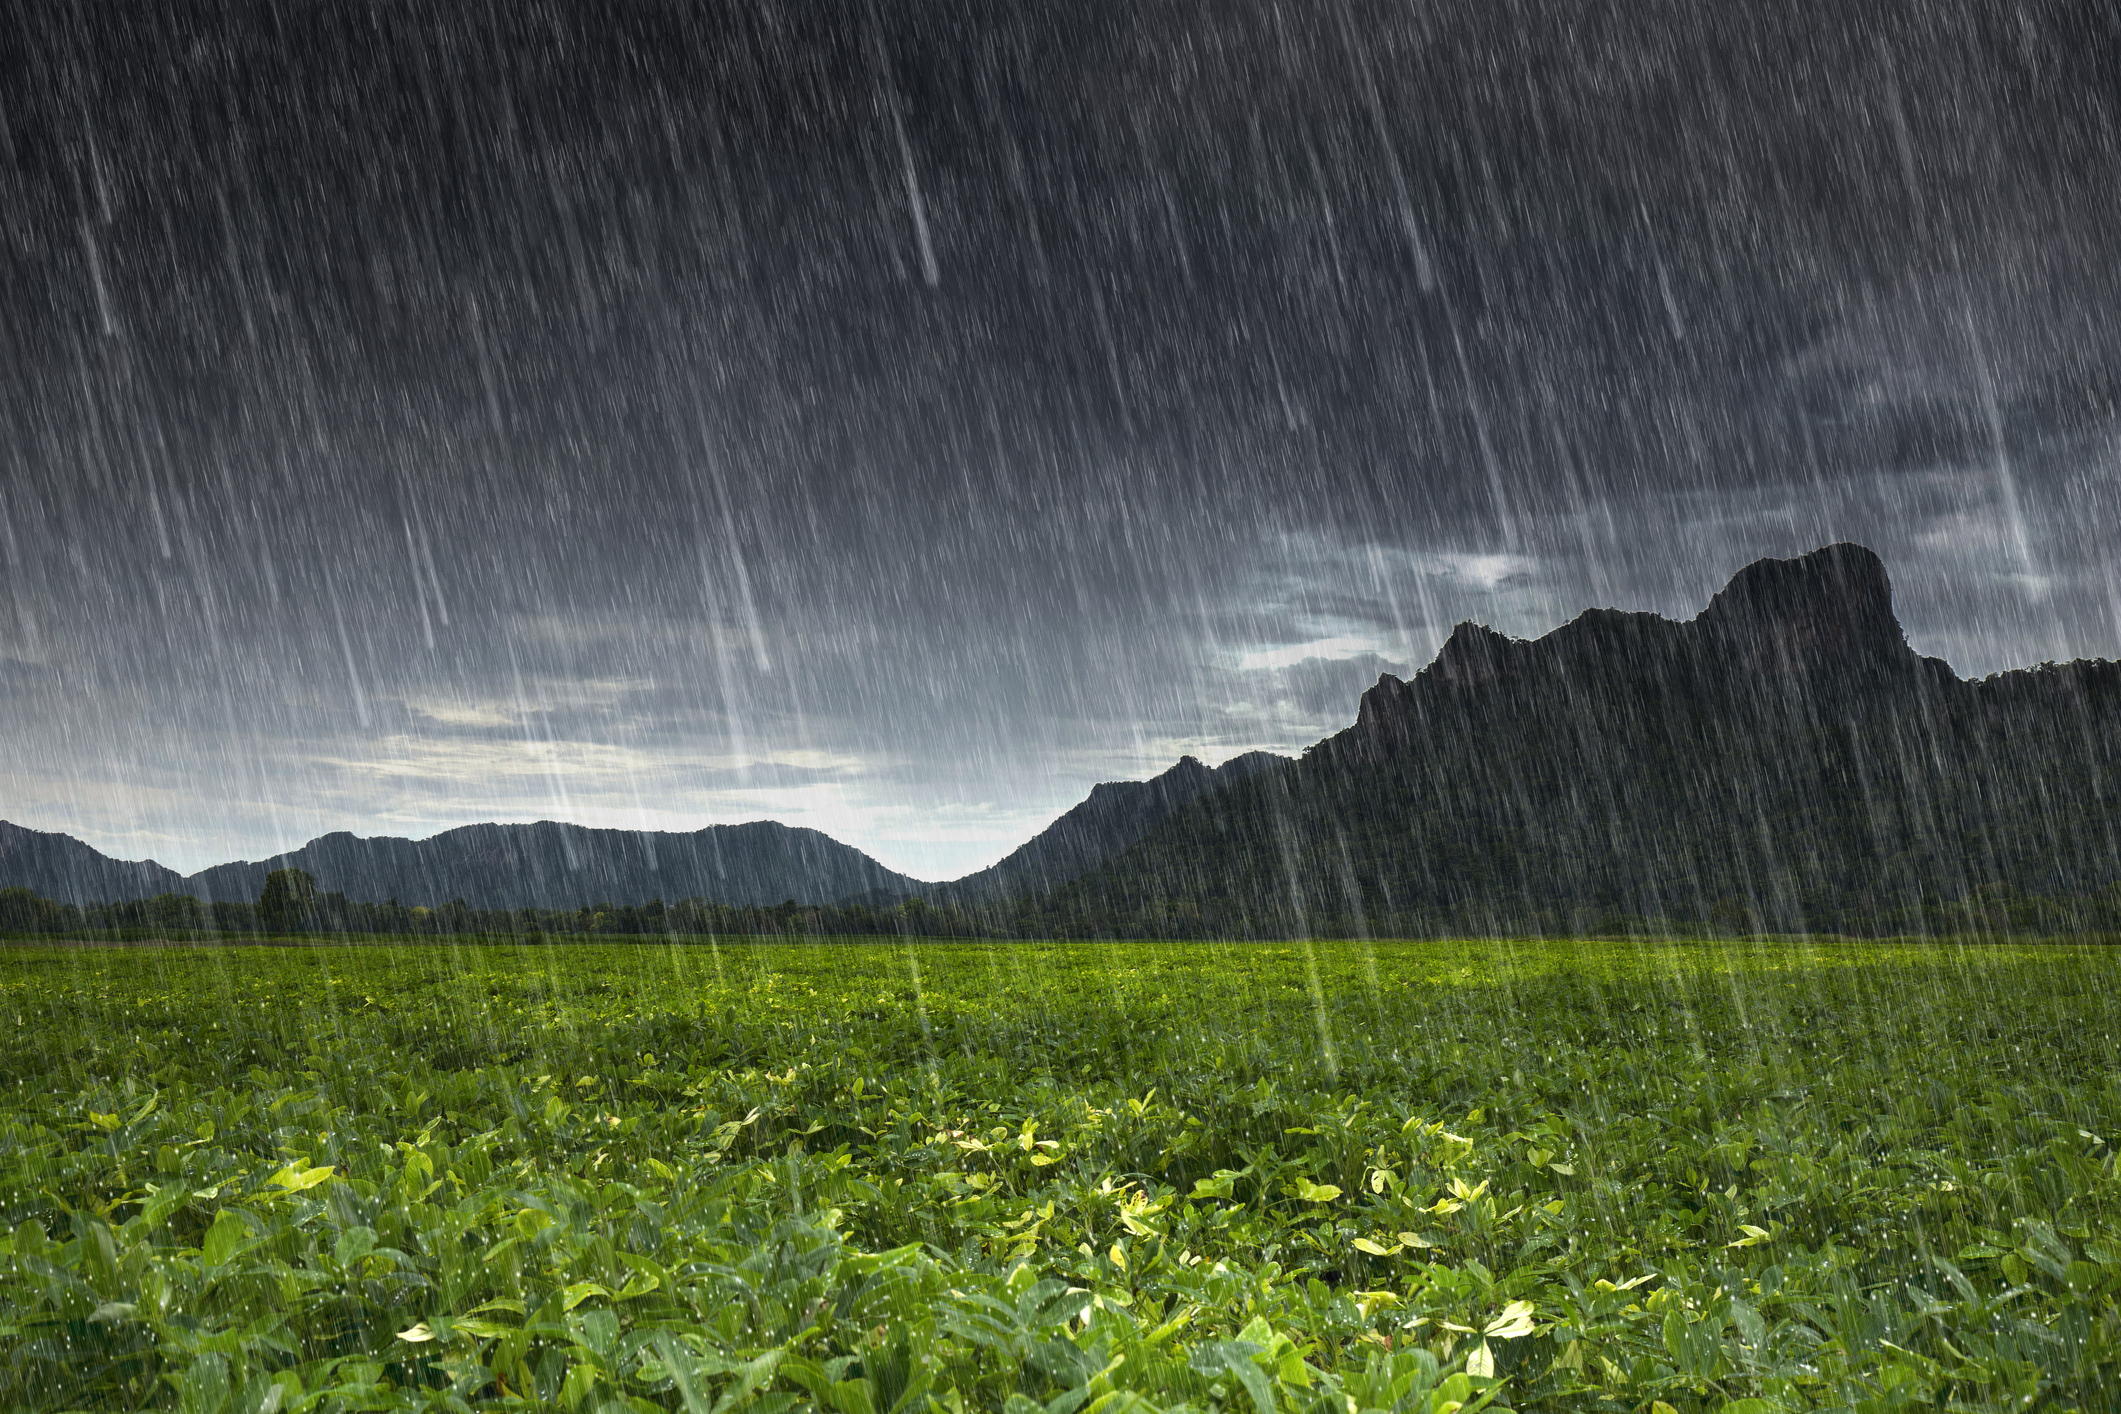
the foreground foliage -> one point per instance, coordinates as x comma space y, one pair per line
869, 1178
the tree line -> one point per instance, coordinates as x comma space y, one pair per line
292, 904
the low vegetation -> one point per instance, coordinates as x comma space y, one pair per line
879, 1178
1990, 912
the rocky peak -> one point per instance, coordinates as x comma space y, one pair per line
1831, 608
1815, 624
1475, 653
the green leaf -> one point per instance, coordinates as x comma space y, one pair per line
1234, 1358
859, 1397
205, 1386
160, 1204
227, 1239
749, 1377
578, 1292
679, 1363
499, 1303
481, 1330
1751, 1328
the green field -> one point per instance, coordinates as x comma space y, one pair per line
1060, 1179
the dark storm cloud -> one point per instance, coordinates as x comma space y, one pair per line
894, 417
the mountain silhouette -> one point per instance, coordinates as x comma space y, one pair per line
551, 865
1114, 815
1782, 760
1784, 757
61, 867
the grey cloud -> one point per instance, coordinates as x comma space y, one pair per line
621, 418
21, 679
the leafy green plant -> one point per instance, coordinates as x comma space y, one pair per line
1351, 1176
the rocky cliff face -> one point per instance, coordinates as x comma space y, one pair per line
1783, 754
1826, 617
1815, 634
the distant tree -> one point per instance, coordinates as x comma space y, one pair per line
289, 900
176, 911
25, 911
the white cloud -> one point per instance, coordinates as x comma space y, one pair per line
1487, 571
1329, 649
477, 759
464, 714
451, 759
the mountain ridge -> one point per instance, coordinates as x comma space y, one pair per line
1820, 624
1783, 755
1111, 817
547, 864
543, 864
58, 866
552, 864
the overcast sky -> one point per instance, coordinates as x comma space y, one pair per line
895, 418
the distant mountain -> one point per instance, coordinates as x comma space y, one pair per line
1114, 815
550, 865
61, 867
1783, 758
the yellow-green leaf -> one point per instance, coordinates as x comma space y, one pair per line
295, 1177
579, 1292
503, 1303
481, 1330
1514, 1322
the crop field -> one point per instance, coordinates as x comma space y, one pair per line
878, 1178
